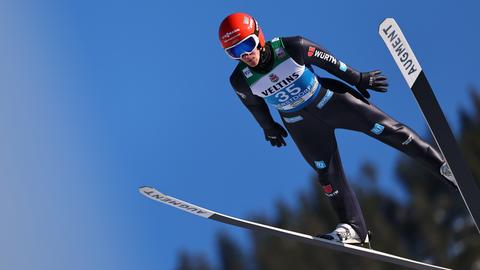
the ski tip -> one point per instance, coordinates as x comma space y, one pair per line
144, 190
151, 192
156, 195
386, 21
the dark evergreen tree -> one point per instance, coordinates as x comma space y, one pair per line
192, 262
231, 255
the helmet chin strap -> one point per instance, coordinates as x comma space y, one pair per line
265, 57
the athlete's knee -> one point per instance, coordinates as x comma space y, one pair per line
406, 140
417, 145
404, 134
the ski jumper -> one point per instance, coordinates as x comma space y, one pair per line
312, 108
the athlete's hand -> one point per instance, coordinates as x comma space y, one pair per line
275, 135
372, 80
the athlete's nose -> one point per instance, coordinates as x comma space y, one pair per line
247, 56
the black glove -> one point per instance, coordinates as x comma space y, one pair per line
275, 135
372, 80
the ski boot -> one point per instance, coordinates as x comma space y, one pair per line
448, 175
344, 233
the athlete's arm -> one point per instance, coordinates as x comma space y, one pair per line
255, 104
274, 132
306, 52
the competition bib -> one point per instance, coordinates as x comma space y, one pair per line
287, 86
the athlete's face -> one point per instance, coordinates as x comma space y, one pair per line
251, 59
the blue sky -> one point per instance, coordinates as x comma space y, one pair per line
98, 98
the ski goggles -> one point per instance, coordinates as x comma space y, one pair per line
246, 46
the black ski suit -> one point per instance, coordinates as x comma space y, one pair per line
337, 105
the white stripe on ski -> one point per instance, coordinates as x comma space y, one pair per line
364, 252
400, 49
434, 117
188, 207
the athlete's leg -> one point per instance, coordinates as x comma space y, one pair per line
355, 114
316, 141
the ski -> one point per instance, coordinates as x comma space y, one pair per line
417, 81
205, 213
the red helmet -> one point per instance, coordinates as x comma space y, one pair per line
238, 26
